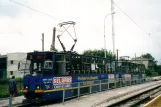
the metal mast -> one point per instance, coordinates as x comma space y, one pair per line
42, 41
105, 33
52, 48
113, 31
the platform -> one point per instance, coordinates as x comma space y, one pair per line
93, 99
15, 100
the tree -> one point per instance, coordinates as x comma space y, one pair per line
148, 72
98, 52
150, 57
155, 70
158, 69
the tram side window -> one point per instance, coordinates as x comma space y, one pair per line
60, 65
76, 64
48, 68
93, 68
126, 69
108, 67
48, 65
137, 69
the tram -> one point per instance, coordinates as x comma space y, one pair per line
47, 73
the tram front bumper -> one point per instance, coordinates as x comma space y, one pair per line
32, 94
36, 91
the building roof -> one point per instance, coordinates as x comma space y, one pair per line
3, 56
139, 59
17, 53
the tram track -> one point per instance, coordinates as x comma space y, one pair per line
131, 98
26, 105
140, 98
35, 103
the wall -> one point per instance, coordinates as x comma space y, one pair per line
144, 61
3, 66
12, 64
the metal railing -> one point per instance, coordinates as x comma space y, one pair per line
89, 87
86, 87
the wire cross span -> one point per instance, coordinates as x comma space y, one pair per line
136, 24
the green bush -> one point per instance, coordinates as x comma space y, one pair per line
154, 74
4, 81
4, 87
151, 72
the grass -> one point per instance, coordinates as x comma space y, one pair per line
4, 88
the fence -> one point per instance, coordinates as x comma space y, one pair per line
87, 87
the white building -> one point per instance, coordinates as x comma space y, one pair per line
12, 64
148, 63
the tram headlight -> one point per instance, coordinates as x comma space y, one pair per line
38, 87
26, 86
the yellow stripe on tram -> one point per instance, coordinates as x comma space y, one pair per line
54, 90
60, 89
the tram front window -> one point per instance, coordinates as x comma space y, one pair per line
36, 65
24, 66
36, 68
40, 68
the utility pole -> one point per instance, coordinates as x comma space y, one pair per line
52, 48
117, 58
104, 42
117, 55
141, 59
42, 41
135, 57
105, 33
113, 31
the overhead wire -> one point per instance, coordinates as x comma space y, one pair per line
35, 10
136, 23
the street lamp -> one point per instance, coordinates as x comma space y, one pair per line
104, 33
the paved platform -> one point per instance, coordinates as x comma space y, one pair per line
15, 100
93, 99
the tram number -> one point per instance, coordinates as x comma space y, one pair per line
47, 86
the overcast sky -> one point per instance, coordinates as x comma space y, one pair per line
21, 27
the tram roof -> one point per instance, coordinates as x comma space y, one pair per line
65, 53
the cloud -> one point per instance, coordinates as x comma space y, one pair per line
21, 28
